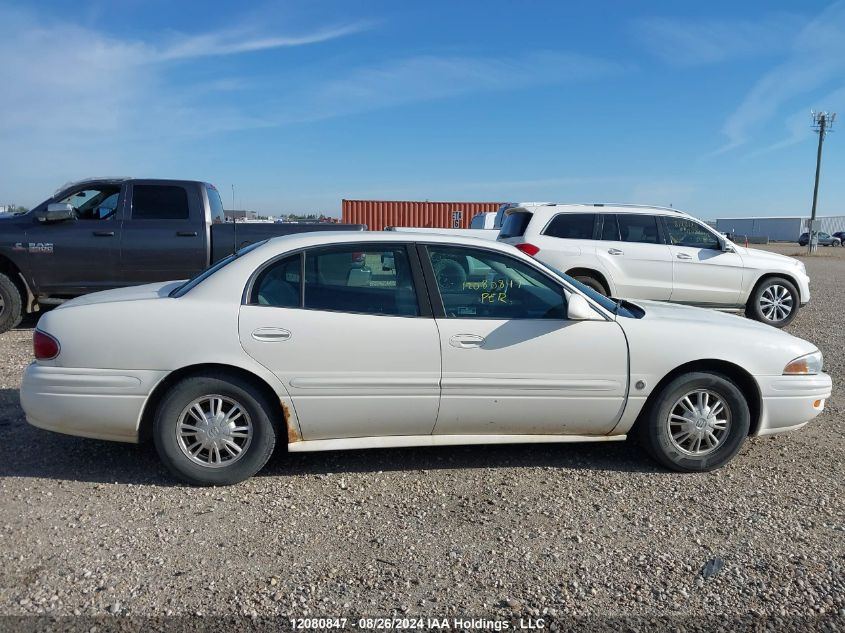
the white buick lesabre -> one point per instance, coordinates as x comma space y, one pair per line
344, 340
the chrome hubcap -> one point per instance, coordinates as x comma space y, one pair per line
214, 431
698, 422
776, 303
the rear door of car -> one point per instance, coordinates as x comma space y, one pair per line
164, 232
355, 344
633, 251
702, 273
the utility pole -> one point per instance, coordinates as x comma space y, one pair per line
822, 122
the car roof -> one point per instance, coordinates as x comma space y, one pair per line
553, 208
327, 238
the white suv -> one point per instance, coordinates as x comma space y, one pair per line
640, 252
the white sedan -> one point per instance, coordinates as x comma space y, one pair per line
332, 341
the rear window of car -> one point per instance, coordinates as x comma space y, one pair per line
159, 202
638, 228
572, 226
515, 224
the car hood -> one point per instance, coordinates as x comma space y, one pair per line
659, 310
752, 255
132, 293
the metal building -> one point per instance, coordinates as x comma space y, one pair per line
778, 229
378, 214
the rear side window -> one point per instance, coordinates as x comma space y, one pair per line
361, 279
572, 226
515, 224
279, 285
638, 228
159, 202
215, 204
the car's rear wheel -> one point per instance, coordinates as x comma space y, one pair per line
775, 302
698, 423
11, 304
214, 430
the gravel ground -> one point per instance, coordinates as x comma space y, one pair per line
96, 529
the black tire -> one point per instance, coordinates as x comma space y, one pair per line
654, 431
756, 311
11, 306
229, 387
592, 282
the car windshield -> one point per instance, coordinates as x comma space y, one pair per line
186, 287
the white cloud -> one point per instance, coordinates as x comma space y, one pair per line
425, 78
816, 62
687, 43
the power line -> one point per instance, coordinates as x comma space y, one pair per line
822, 122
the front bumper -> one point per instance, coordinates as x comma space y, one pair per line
789, 402
104, 404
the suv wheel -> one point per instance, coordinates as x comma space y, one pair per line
592, 282
11, 304
775, 302
214, 430
698, 423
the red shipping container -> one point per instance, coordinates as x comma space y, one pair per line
378, 214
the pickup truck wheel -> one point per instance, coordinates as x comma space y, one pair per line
214, 430
592, 282
698, 423
11, 304
774, 302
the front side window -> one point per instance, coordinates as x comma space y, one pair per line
572, 226
638, 228
159, 202
686, 232
475, 283
98, 203
362, 279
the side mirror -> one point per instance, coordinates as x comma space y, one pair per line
579, 309
727, 248
56, 212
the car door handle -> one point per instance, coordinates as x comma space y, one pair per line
104, 233
615, 251
271, 335
683, 256
466, 341
186, 233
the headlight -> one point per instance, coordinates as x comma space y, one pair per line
806, 365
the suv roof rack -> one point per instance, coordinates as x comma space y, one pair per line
633, 206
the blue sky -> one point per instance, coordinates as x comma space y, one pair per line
704, 106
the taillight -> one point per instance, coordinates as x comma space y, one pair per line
45, 346
528, 249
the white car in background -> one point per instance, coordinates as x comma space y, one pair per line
309, 341
641, 252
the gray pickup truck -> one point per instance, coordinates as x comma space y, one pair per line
112, 232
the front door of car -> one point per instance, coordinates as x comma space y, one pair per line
355, 345
76, 256
702, 273
633, 252
512, 363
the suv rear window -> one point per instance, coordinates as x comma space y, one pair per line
572, 226
515, 224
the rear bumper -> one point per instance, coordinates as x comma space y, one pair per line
103, 404
789, 402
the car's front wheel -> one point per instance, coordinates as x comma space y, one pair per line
775, 302
214, 430
697, 423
